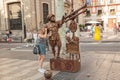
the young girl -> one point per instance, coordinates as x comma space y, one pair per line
42, 36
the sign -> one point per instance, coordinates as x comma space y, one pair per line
72, 48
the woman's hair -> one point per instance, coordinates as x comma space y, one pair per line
41, 31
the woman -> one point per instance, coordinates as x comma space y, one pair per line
29, 38
9, 34
97, 36
42, 36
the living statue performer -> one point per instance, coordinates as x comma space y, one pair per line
54, 40
53, 27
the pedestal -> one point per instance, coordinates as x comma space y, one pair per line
64, 65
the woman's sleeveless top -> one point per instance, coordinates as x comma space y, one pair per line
42, 40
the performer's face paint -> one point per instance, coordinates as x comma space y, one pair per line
53, 18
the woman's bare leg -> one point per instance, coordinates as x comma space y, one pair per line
41, 60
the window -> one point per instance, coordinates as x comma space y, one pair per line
45, 12
99, 12
112, 11
112, 1
117, 1
89, 2
100, 2
88, 13
14, 16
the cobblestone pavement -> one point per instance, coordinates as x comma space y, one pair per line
22, 65
95, 66
106, 37
10, 45
16, 69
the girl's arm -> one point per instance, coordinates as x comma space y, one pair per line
41, 35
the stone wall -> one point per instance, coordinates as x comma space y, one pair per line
31, 11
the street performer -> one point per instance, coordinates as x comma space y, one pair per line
53, 27
54, 40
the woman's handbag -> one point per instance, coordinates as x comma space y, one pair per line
36, 50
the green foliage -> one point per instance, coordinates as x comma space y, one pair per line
81, 25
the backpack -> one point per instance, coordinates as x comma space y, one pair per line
36, 50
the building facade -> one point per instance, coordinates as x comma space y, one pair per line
105, 11
75, 4
22, 15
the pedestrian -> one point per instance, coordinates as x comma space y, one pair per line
42, 36
89, 30
115, 29
10, 32
9, 36
97, 36
7, 33
92, 31
101, 30
29, 38
67, 30
35, 37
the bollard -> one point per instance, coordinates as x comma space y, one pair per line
48, 75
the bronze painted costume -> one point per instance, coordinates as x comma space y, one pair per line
54, 39
53, 27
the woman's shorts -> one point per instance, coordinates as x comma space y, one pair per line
42, 48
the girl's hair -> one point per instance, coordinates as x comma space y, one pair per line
41, 30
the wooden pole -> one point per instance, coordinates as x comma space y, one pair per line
72, 8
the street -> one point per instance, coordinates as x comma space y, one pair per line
99, 61
112, 47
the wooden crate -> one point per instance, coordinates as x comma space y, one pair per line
65, 65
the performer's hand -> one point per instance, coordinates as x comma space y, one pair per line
49, 34
45, 29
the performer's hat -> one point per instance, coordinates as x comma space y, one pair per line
50, 15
